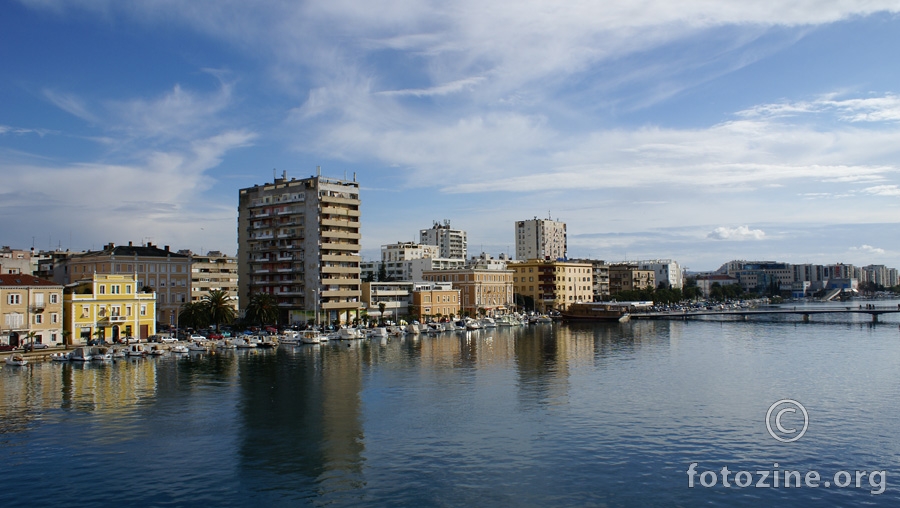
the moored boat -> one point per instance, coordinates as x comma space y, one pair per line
16, 359
596, 311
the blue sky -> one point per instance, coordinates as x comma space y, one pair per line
694, 130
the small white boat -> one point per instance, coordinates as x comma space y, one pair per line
197, 347
100, 354
119, 353
136, 350
378, 332
350, 333
180, 348
59, 357
16, 359
290, 338
312, 337
80, 354
158, 351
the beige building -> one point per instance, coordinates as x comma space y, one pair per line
109, 307
395, 296
544, 285
431, 301
30, 304
299, 241
481, 290
214, 271
628, 277
166, 273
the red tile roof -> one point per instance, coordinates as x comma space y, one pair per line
23, 280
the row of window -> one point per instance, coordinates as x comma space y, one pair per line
124, 268
16, 298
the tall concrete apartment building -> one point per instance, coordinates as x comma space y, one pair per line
452, 242
299, 241
540, 239
214, 271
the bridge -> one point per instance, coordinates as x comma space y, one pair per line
806, 312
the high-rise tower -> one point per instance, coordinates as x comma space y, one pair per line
299, 241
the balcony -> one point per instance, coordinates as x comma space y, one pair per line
37, 309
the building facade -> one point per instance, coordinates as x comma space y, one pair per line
299, 241
451, 242
545, 285
482, 291
629, 277
540, 239
110, 308
165, 273
214, 272
431, 301
32, 310
395, 296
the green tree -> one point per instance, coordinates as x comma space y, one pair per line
193, 315
218, 307
262, 309
381, 307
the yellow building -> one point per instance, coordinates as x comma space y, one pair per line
108, 307
166, 273
29, 304
545, 285
433, 300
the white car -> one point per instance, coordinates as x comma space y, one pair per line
194, 336
167, 340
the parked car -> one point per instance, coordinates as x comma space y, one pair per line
35, 346
195, 336
166, 339
216, 336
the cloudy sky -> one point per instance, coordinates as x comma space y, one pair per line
695, 130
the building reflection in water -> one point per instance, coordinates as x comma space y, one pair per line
301, 417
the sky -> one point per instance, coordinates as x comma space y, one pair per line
701, 131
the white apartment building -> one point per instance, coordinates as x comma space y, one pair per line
452, 242
299, 241
665, 270
394, 257
540, 239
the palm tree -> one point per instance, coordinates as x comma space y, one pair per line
381, 307
193, 315
262, 309
218, 307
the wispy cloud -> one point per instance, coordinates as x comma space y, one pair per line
738, 233
868, 249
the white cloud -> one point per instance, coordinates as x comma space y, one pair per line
868, 249
883, 190
738, 233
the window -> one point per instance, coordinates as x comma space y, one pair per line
54, 298
85, 311
14, 299
39, 299
38, 319
143, 309
54, 318
128, 289
102, 289
114, 289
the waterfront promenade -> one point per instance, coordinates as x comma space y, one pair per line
872, 310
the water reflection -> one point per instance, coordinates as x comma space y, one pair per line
301, 419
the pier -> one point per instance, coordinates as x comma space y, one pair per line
805, 312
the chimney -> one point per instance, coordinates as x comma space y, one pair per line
130, 245
167, 248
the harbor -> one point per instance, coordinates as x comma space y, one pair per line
479, 417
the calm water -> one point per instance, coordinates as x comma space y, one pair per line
549, 415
